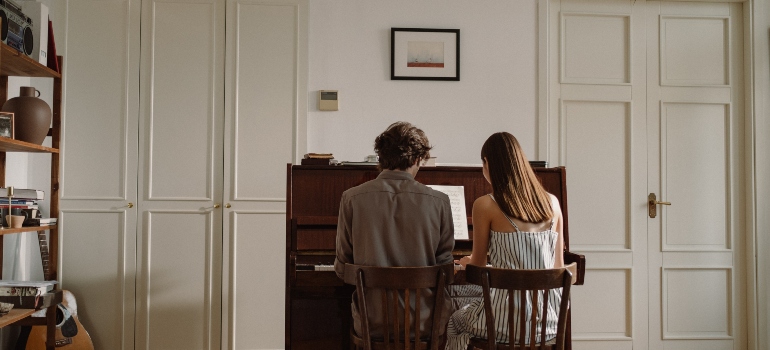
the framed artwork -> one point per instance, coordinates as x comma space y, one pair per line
424, 54
6, 124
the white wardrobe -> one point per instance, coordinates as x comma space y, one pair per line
179, 119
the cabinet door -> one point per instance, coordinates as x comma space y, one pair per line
265, 94
98, 165
180, 175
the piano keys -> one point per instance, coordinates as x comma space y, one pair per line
317, 302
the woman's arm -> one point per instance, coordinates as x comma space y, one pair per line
559, 228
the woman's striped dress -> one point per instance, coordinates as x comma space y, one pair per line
508, 250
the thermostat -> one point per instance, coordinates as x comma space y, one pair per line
328, 100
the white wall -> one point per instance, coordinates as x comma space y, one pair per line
350, 52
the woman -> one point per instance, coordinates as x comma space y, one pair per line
520, 226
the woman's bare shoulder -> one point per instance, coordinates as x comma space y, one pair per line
484, 202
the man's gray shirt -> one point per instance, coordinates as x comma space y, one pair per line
393, 221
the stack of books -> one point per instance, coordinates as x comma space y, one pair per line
317, 159
27, 294
40, 222
25, 288
25, 200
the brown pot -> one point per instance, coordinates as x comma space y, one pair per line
32, 116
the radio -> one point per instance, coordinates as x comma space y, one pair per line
17, 27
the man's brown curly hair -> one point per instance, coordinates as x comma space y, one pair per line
400, 145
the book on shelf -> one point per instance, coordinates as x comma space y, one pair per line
22, 193
25, 288
318, 156
40, 221
16, 202
29, 302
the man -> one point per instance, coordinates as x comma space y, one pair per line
393, 220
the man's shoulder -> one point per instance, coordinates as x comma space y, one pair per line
436, 193
382, 185
369, 186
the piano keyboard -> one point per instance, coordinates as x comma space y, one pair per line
322, 267
319, 267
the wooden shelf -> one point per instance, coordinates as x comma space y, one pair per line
8, 230
11, 145
16, 63
15, 315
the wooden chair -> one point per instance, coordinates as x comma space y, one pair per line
533, 286
395, 281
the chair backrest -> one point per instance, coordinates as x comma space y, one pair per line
394, 282
533, 288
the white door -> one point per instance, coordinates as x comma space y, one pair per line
695, 161
674, 281
98, 166
265, 94
180, 175
597, 129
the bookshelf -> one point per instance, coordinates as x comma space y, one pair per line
16, 64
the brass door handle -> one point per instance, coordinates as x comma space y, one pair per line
227, 205
652, 201
216, 206
129, 205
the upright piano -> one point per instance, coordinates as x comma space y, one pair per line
317, 302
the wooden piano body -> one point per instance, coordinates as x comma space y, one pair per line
317, 302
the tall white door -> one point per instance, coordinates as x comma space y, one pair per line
646, 97
265, 108
98, 165
695, 119
179, 256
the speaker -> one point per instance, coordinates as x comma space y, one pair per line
17, 27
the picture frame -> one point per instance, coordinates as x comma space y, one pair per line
424, 54
7, 125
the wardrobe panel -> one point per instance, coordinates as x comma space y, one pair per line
183, 66
96, 131
266, 66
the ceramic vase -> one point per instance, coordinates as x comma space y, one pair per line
32, 116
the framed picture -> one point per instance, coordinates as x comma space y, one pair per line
424, 54
6, 124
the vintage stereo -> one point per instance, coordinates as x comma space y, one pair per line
17, 27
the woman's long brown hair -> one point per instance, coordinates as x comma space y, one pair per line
517, 190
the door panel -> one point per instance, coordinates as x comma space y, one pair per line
179, 277
266, 108
181, 125
181, 281
98, 166
696, 140
258, 314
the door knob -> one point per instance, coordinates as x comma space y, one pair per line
227, 205
652, 201
129, 205
216, 206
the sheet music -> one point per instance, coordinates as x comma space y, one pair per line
457, 199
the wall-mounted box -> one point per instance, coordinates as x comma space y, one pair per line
328, 100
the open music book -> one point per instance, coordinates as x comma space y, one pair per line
457, 199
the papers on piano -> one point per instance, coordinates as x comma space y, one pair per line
457, 199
